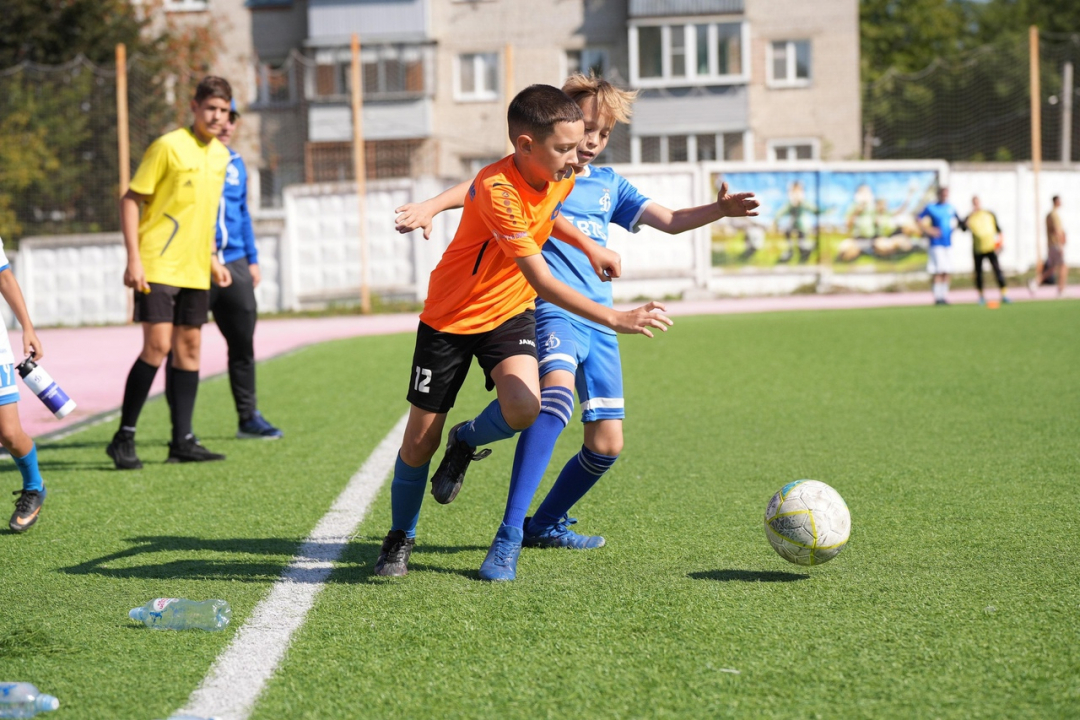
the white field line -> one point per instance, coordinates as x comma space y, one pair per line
236, 679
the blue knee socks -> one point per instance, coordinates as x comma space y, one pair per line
406, 495
487, 427
577, 477
534, 450
28, 466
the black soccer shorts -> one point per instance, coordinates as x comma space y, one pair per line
441, 360
170, 304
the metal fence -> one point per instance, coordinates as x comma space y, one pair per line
979, 108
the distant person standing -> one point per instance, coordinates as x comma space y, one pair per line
1055, 252
170, 260
234, 307
936, 220
986, 240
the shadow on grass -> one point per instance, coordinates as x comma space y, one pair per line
747, 576
272, 559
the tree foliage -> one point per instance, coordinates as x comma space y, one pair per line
58, 121
949, 78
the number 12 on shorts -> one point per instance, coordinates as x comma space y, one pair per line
423, 380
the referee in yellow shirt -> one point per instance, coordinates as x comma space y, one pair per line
170, 260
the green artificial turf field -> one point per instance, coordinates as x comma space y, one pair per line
952, 434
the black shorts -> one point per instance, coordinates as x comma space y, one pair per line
170, 304
441, 360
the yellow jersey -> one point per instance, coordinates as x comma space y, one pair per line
183, 178
984, 229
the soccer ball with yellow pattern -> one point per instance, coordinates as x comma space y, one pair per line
807, 522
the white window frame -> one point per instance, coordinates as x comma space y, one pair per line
790, 81
691, 146
773, 145
186, 5
478, 67
690, 48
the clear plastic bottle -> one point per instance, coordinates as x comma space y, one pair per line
22, 700
181, 614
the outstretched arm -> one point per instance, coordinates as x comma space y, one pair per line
635, 321
605, 263
413, 216
677, 221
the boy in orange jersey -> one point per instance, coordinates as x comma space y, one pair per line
480, 303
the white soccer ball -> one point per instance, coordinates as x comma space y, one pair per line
807, 522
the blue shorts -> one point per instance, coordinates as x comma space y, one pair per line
9, 391
592, 356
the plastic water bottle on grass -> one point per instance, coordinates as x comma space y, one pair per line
22, 700
181, 614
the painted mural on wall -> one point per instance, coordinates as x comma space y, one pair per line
846, 219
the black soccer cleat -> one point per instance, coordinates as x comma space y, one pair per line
27, 507
122, 451
394, 556
191, 450
447, 480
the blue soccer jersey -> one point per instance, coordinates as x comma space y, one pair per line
941, 215
600, 197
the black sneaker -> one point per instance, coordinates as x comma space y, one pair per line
122, 451
191, 450
447, 480
394, 556
26, 509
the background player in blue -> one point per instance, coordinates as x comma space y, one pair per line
574, 352
234, 307
936, 220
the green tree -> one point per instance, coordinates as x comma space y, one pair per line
57, 75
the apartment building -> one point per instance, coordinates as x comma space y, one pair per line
765, 80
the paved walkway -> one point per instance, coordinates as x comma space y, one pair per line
91, 364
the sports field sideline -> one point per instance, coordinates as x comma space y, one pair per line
950, 432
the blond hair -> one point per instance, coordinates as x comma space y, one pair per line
610, 100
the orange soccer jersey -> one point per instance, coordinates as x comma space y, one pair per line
477, 285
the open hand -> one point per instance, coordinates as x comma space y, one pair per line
639, 320
736, 204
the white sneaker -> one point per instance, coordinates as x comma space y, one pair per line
1032, 286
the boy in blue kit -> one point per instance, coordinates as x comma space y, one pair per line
574, 351
19, 445
936, 220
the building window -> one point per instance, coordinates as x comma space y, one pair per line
690, 148
587, 62
477, 76
391, 72
186, 5
789, 64
688, 54
784, 150
388, 72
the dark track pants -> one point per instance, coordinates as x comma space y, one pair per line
235, 313
993, 258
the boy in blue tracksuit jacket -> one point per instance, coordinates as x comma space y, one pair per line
234, 307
